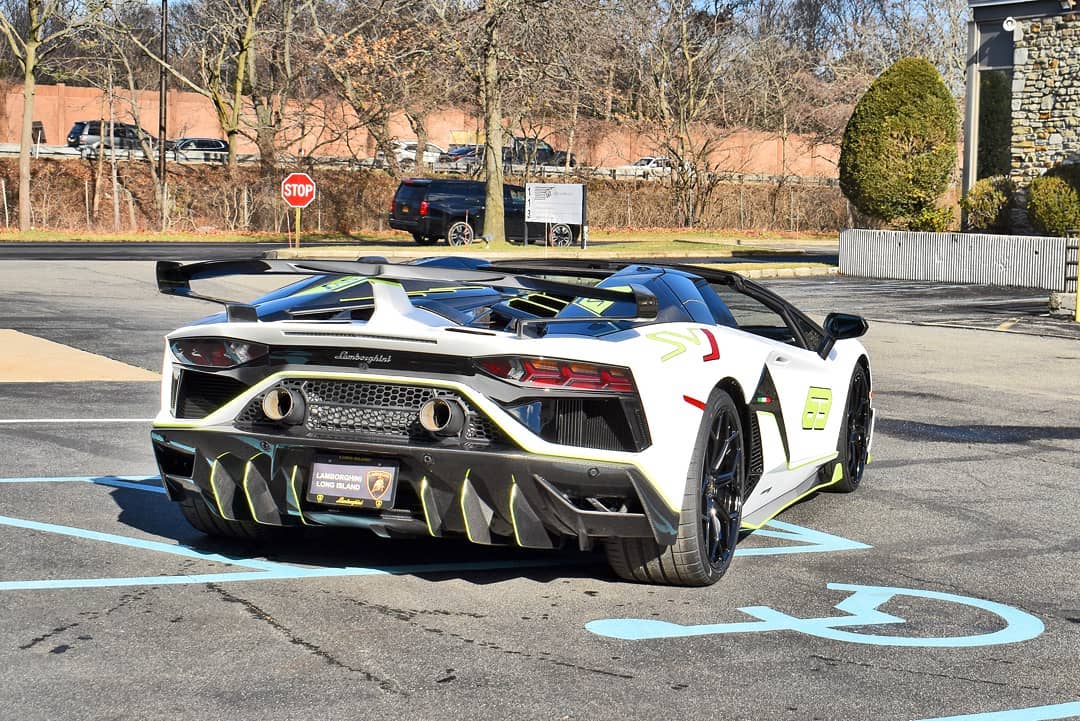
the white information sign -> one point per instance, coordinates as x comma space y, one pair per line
554, 203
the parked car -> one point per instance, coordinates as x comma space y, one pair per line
653, 163
405, 152
454, 155
87, 135
433, 209
534, 151
654, 409
75, 133
196, 148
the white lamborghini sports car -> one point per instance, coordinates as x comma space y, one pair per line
657, 409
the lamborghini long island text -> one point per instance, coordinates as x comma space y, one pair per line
657, 409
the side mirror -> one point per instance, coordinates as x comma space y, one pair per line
840, 326
844, 325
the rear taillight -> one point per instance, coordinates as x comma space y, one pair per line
216, 352
554, 373
423, 208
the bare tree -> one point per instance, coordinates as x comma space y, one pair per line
686, 51
404, 68
46, 25
274, 73
497, 46
215, 40
356, 45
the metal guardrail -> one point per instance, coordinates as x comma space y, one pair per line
1004, 260
456, 168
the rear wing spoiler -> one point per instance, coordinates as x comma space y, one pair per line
174, 278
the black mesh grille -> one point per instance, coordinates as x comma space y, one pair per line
200, 394
757, 463
360, 408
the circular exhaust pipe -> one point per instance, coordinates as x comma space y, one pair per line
283, 405
443, 417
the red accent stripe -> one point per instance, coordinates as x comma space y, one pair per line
694, 402
715, 354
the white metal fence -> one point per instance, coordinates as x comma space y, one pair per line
1006, 260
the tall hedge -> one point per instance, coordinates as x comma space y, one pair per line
899, 147
994, 154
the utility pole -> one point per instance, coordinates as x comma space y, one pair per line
163, 94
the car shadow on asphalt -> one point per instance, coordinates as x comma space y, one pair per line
338, 548
977, 433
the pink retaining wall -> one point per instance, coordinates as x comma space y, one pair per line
318, 131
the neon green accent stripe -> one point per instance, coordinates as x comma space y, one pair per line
816, 409
513, 518
423, 504
296, 496
594, 305
332, 286
837, 475
464, 514
213, 486
415, 293
247, 493
675, 339
815, 462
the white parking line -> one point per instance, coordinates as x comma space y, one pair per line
16, 421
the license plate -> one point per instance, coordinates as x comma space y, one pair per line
345, 481
404, 209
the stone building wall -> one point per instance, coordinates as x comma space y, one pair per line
1045, 95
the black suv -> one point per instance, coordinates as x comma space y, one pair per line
454, 209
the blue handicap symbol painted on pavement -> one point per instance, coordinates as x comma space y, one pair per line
1034, 713
861, 608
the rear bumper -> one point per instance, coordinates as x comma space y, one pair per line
490, 497
422, 226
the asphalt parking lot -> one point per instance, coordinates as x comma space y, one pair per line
945, 588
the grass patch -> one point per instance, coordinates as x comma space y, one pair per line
638, 241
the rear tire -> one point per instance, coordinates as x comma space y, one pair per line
424, 239
561, 235
855, 437
459, 233
711, 511
205, 519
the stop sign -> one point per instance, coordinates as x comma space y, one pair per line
298, 190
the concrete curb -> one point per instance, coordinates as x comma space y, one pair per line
805, 271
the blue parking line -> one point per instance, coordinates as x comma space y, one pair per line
171, 548
1035, 713
261, 570
809, 540
138, 483
804, 540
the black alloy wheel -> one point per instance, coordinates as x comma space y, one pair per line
711, 512
722, 480
856, 434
